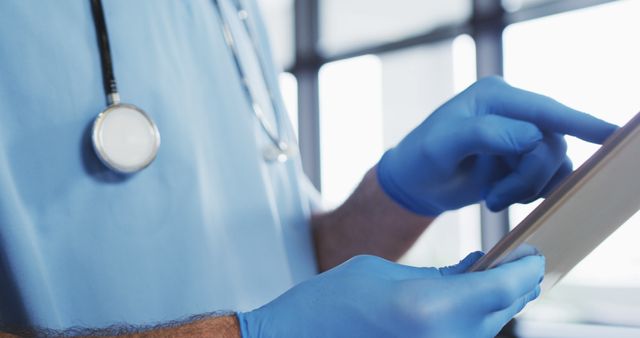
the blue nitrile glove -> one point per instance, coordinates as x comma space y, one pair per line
492, 142
371, 297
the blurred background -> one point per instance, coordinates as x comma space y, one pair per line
357, 75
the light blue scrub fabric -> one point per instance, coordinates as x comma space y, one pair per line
208, 226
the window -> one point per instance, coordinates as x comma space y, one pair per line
383, 97
350, 99
289, 89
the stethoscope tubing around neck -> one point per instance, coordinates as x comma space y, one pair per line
274, 134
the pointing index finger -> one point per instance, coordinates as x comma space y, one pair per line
500, 98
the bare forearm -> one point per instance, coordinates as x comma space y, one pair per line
369, 222
198, 326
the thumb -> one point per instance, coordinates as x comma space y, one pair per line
463, 266
491, 135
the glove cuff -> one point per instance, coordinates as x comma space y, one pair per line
242, 323
393, 190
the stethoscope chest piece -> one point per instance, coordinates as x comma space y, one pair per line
125, 138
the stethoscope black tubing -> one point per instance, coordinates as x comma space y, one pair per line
108, 77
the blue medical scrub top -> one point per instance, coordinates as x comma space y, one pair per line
208, 226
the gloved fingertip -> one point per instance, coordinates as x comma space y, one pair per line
463, 265
540, 261
608, 130
494, 203
512, 189
472, 257
535, 294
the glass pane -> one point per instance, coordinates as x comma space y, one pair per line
279, 18
350, 101
594, 68
369, 103
289, 89
348, 24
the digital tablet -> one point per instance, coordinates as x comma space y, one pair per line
582, 212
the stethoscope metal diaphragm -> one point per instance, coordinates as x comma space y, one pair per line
125, 138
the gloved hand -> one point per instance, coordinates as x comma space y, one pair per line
492, 142
371, 297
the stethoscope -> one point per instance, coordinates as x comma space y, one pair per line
126, 139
